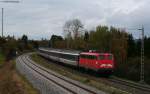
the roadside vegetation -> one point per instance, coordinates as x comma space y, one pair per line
77, 75
11, 81
2, 58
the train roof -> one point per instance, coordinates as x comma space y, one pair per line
63, 51
95, 53
72, 52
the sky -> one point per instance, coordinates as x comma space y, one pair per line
43, 18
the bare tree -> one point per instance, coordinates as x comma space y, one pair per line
76, 28
67, 30
73, 28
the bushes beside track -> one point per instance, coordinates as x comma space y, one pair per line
131, 69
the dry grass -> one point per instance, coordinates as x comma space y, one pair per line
12, 83
1, 59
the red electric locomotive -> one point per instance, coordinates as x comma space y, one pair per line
99, 62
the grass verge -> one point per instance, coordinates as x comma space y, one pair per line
11, 82
76, 75
2, 58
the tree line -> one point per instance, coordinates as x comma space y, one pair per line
114, 40
10, 46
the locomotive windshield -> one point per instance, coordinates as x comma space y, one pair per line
101, 57
110, 57
88, 57
105, 57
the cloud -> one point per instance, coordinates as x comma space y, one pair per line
42, 18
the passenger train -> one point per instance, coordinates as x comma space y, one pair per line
99, 62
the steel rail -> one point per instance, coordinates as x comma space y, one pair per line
48, 78
91, 92
129, 84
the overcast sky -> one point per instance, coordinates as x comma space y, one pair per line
42, 18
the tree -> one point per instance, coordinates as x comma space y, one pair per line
119, 43
147, 46
72, 31
25, 40
77, 27
99, 39
54, 39
35, 45
131, 46
67, 29
73, 28
86, 36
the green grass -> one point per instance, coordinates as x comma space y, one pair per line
76, 75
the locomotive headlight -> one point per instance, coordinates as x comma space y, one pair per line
103, 65
96, 62
109, 65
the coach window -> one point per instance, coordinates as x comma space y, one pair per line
53, 54
69, 57
64, 56
74, 57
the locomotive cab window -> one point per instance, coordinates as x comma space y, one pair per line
92, 57
88, 57
110, 57
101, 57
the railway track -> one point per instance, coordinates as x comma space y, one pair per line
130, 87
130, 84
67, 85
125, 85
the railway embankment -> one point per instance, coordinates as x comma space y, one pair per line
11, 82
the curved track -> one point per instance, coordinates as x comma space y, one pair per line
125, 85
66, 84
142, 87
